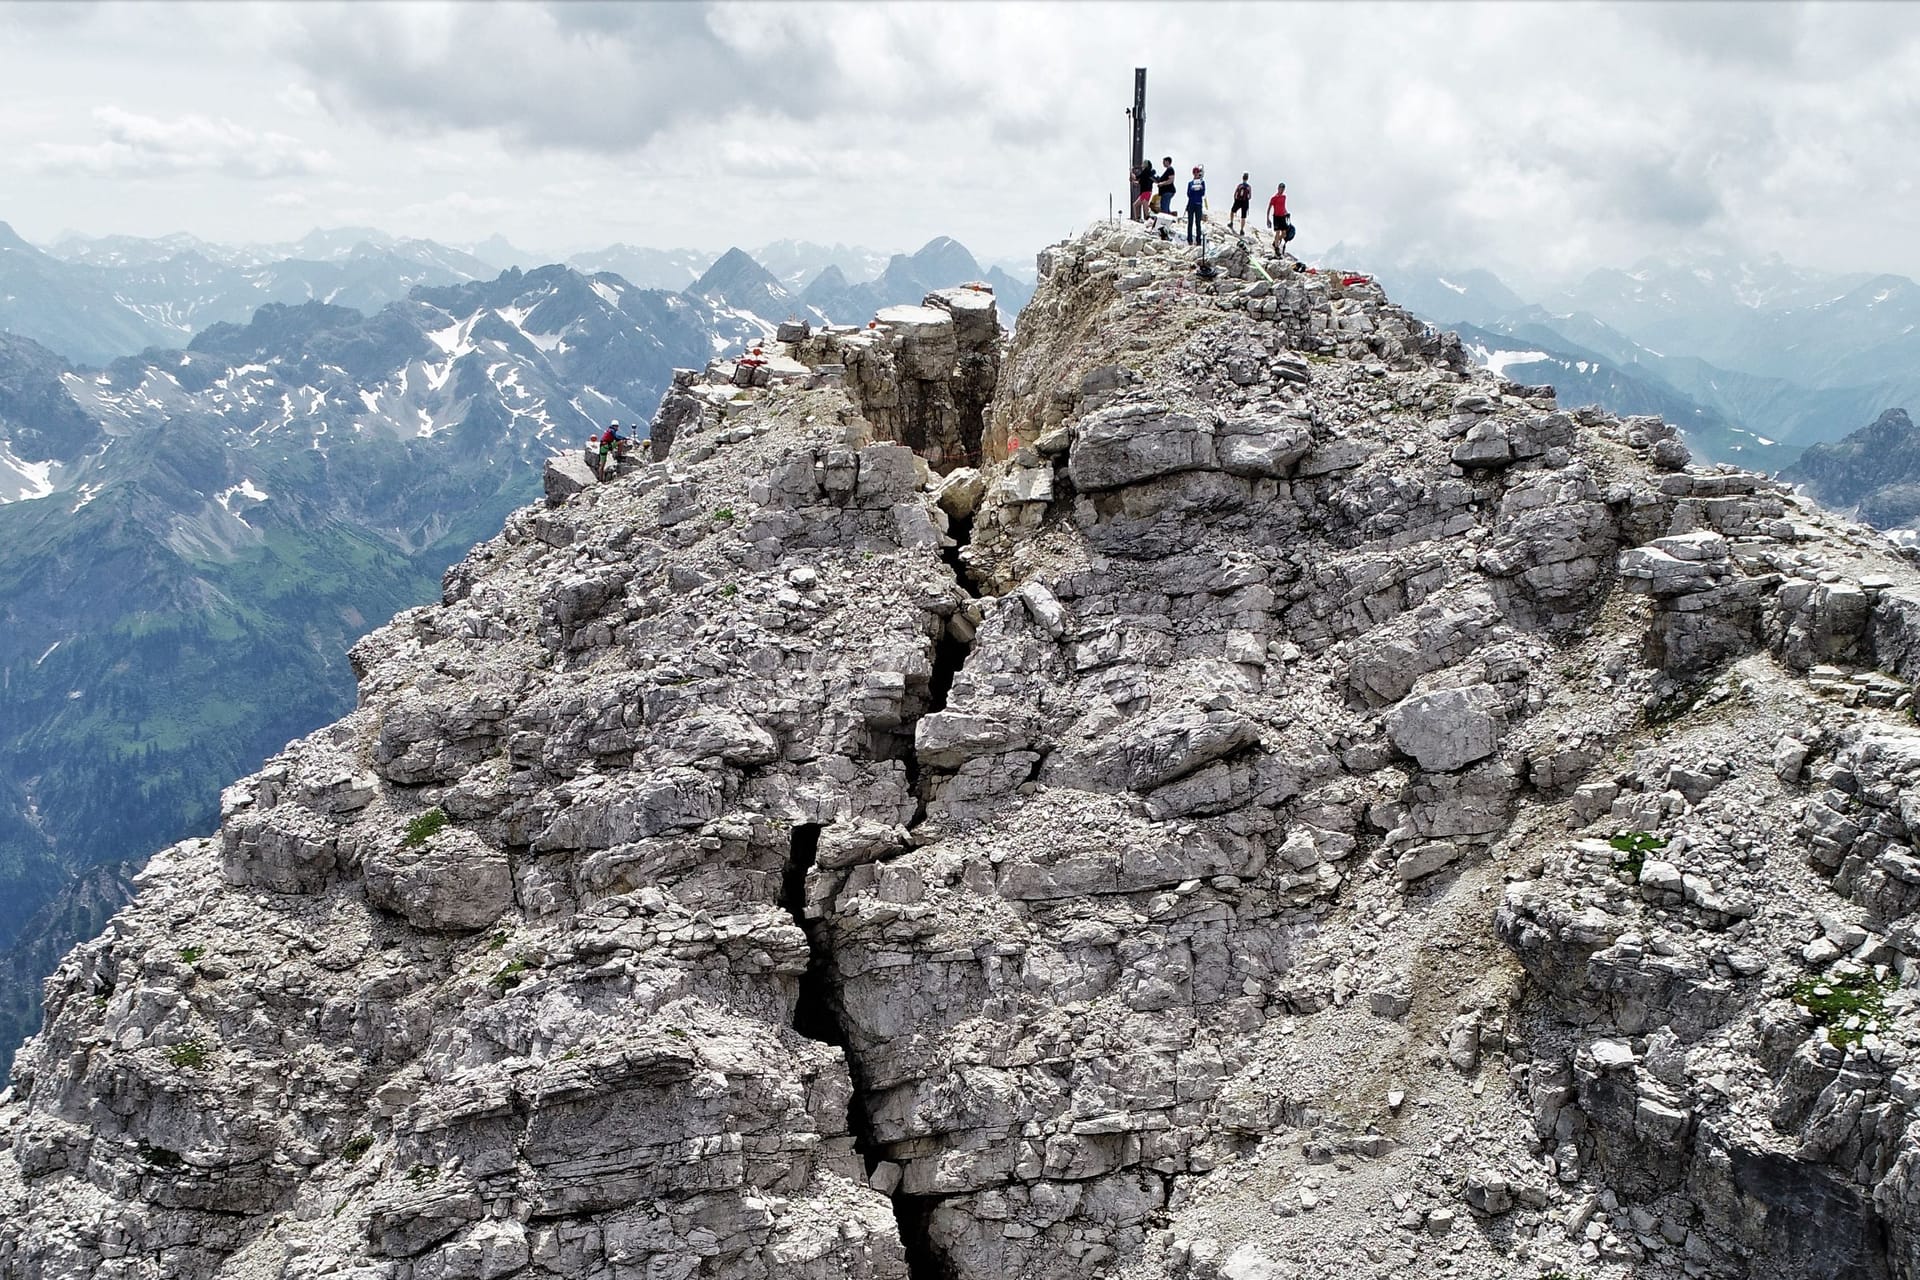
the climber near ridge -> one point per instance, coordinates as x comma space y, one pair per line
1196, 206
1166, 185
612, 447
1277, 219
1242, 202
1143, 196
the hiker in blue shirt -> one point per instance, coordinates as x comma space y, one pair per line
1196, 204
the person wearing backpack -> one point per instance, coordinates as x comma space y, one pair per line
1277, 219
612, 447
1196, 205
1242, 202
1143, 192
1166, 186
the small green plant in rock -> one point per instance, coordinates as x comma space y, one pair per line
357, 1146
1850, 1005
191, 955
511, 974
498, 940
1636, 845
723, 514
421, 829
190, 1053
729, 590
421, 1174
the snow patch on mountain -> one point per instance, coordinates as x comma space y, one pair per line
245, 489
23, 481
1500, 361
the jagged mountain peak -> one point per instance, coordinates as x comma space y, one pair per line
1874, 472
1024, 796
946, 258
830, 277
733, 270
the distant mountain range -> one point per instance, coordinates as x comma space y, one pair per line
93, 300
737, 282
191, 536
118, 296
1755, 360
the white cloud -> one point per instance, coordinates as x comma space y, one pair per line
1529, 138
133, 145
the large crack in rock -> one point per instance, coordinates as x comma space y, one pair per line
817, 1016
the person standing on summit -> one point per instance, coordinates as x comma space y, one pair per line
1242, 202
1166, 186
1277, 219
1196, 205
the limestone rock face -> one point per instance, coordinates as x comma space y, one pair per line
1217, 788
454, 880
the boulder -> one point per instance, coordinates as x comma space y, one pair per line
976, 317
928, 348
1261, 447
453, 881
960, 492
287, 849
1126, 444
1446, 730
567, 474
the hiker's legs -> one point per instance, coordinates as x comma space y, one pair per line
1193, 225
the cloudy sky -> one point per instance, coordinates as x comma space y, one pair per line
1537, 139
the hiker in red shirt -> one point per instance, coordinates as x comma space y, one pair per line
611, 446
1277, 219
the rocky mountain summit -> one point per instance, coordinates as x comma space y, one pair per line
1250, 797
1873, 472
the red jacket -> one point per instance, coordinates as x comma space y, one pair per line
1278, 205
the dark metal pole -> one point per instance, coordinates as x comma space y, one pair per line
1139, 116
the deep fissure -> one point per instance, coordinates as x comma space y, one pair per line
817, 1016
949, 656
960, 532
